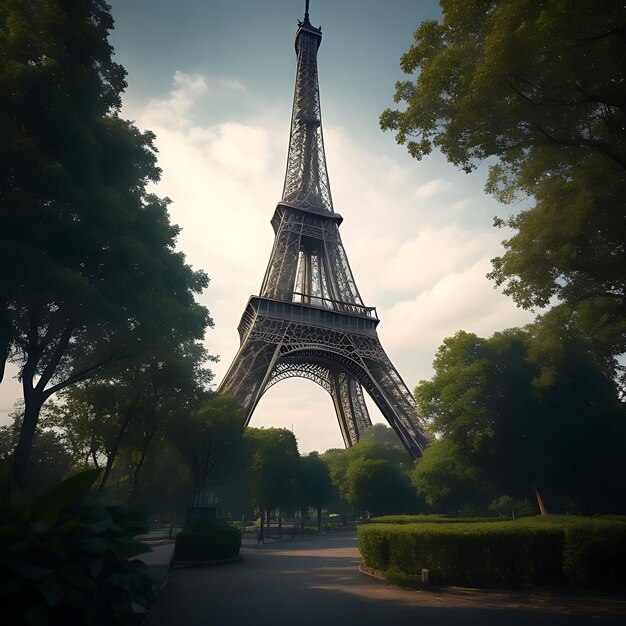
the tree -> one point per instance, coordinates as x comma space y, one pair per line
372, 475
376, 486
274, 459
209, 440
447, 478
315, 486
538, 88
103, 417
379, 441
89, 274
51, 461
529, 417
336, 460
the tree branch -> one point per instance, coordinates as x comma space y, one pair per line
82, 375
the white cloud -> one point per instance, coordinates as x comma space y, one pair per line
233, 85
181, 99
432, 188
435, 252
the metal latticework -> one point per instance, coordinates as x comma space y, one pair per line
306, 180
309, 320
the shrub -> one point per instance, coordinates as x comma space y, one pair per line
468, 553
63, 560
595, 553
538, 551
434, 518
209, 539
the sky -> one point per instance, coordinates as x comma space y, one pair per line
214, 79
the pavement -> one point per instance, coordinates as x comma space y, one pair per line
316, 580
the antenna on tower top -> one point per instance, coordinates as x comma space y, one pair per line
306, 11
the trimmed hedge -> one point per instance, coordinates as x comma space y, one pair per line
208, 540
431, 519
552, 551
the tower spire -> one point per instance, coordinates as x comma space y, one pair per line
306, 179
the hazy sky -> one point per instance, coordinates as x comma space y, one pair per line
214, 80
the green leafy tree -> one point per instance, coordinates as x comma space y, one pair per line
50, 460
274, 460
113, 421
90, 274
210, 441
166, 485
376, 486
533, 420
447, 478
536, 88
314, 484
381, 442
372, 475
336, 460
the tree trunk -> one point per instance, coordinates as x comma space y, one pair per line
267, 525
319, 519
540, 502
113, 453
33, 401
144, 450
302, 523
280, 523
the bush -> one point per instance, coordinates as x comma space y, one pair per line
432, 518
538, 551
595, 553
63, 559
209, 539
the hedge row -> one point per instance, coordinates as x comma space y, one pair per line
432, 518
557, 551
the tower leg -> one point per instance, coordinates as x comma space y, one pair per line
350, 407
396, 403
247, 377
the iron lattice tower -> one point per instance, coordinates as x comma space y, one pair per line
309, 320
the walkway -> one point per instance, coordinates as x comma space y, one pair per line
315, 581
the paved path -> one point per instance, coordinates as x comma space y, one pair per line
315, 581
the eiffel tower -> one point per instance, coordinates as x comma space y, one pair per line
309, 320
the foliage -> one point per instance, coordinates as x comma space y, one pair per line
274, 458
372, 475
207, 540
336, 460
517, 413
314, 486
114, 420
166, 486
209, 440
50, 460
95, 277
541, 551
64, 560
376, 486
538, 88
506, 506
446, 479
432, 518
